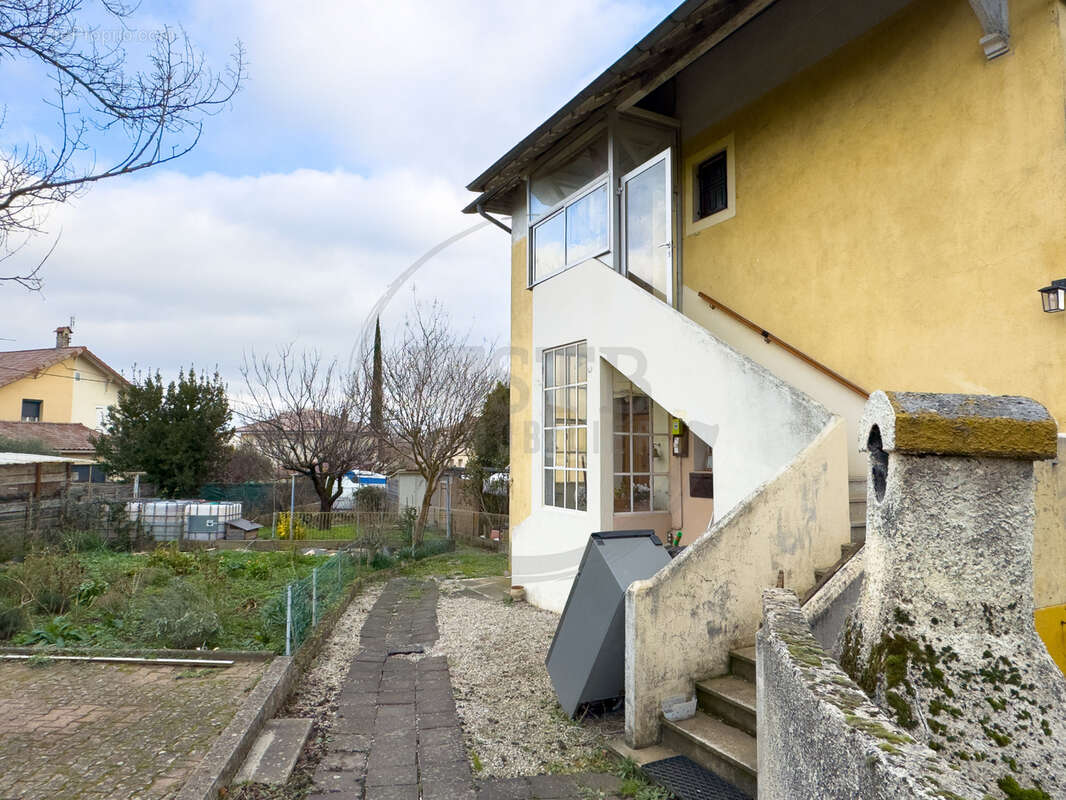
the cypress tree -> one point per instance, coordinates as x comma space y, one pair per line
377, 392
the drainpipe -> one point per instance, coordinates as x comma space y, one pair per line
481, 212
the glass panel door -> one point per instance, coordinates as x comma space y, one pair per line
647, 230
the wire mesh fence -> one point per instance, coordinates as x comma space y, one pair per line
306, 601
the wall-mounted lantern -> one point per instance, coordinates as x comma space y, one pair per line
1054, 296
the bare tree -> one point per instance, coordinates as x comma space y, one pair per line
435, 384
310, 416
159, 110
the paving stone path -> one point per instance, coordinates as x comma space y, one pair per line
397, 736
80, 730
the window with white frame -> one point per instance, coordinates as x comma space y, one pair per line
710, 186
641, 451
569, 209
566, 426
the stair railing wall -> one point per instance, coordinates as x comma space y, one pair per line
682, 623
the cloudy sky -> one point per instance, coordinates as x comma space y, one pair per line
340, 163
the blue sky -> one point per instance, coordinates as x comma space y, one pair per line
342, 161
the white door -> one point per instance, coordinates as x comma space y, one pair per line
647, 226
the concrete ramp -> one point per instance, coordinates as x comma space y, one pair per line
273, 756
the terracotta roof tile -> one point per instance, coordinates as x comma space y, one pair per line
66, 437
18, 364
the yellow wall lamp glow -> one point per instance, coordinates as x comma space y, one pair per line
1053, 297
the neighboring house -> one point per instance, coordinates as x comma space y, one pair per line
61, 384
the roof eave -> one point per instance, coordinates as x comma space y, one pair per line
639, 71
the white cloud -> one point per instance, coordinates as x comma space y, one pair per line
448, 86
172, 269
408, 99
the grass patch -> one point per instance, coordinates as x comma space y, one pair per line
463, 562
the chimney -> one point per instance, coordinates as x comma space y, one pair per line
63, 336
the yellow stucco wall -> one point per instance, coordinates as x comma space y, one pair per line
1051, 625
54, 388
899, 203
911, 195
1049, 530
64, 399
522, 362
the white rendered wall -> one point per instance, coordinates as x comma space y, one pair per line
95, 389
756, 422
840, 400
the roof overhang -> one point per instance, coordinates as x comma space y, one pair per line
687, 33
101, 365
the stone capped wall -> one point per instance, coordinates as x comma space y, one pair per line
821, 737
942, 636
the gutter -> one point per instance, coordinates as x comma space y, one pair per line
483, 213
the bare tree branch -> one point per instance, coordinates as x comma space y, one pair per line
435, 383
309, 416
160, 109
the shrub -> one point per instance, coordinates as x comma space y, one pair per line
298, 529
76, 541
256, 567
433, 547
178, 616
371, 498
90, 589
169, 556
407, 522
50, 580
12, 618
112, 603
382, 560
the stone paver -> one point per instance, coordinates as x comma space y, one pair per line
397, 735
583, 786
89, 731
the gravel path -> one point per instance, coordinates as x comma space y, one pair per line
316, 694
316, 697
507, 706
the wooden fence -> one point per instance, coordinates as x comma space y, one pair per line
80, 508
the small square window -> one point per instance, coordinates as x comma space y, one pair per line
712, 186
31, 410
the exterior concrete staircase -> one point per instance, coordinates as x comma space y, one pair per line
857, 504
721, 737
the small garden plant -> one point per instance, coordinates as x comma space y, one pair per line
166, 598
175, 599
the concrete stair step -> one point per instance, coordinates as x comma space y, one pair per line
717, 746
858, 532
730, 698
742, 663
858, 511
823, 574
273, 754
857, 489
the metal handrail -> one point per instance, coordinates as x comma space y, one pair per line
771, 339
